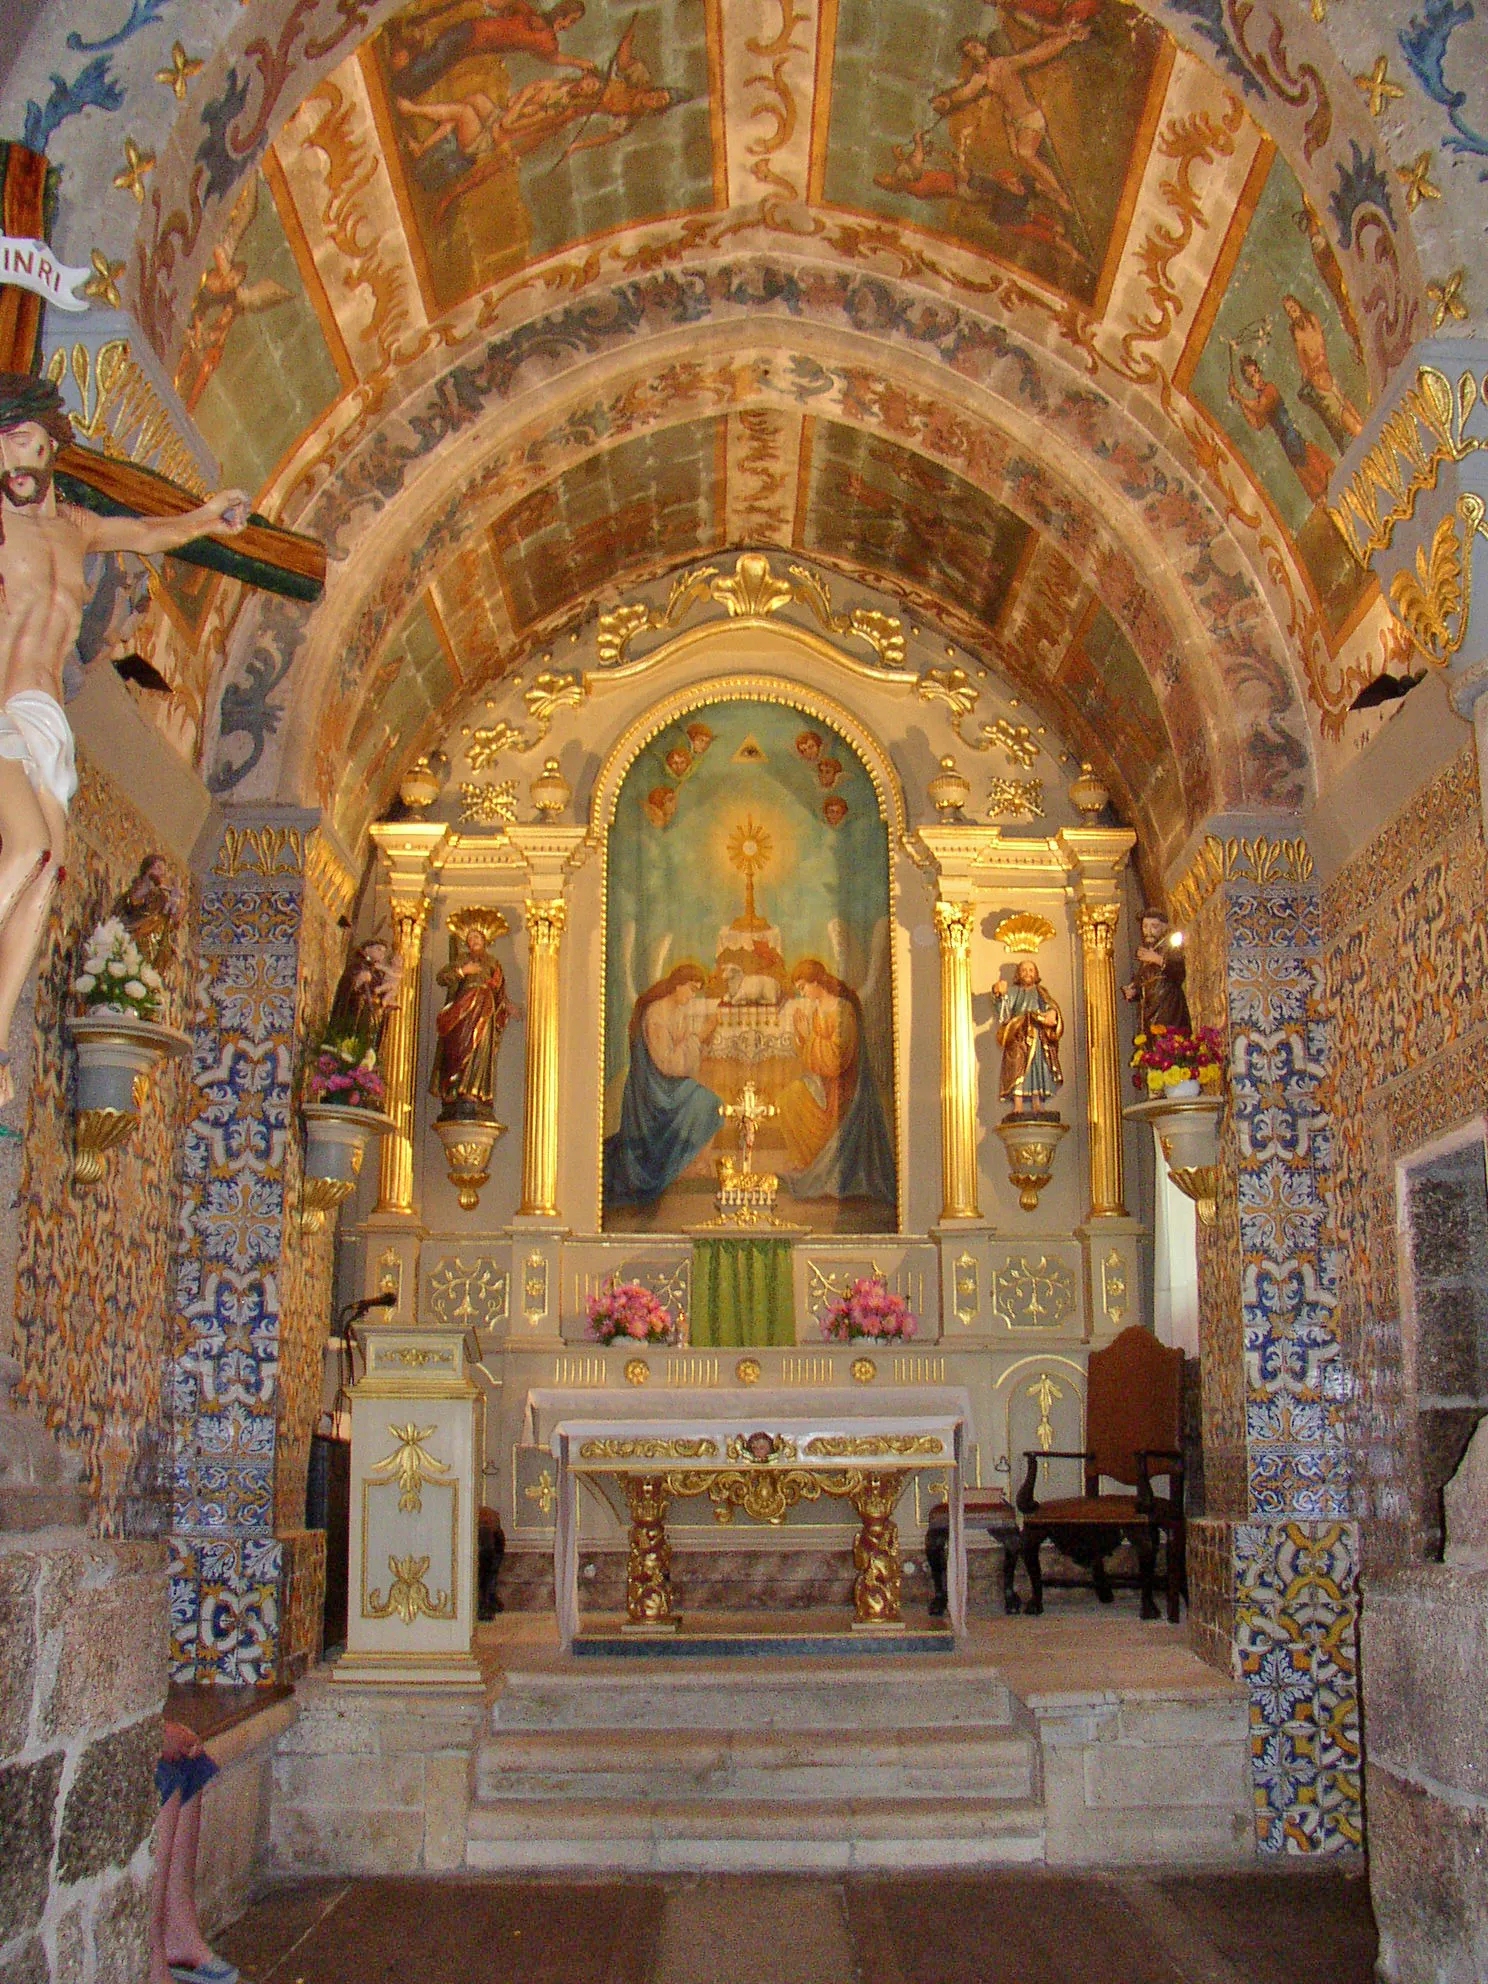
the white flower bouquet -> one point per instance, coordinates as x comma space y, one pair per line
116, 977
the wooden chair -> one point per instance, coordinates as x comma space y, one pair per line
1133, 1426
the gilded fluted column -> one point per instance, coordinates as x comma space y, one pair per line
399, 1056
545, 924
1097, 922
958, 1084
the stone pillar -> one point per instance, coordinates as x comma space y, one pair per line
958, 1076
545, 926
252, 1294
1096, 922
406, 848
1273, 1563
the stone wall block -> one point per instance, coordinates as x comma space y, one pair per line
1426, 1653
17, 1648
28, 1806
1428, 1879
102, 1620
121, 1934
27, 1965
111, 1802
446, 1812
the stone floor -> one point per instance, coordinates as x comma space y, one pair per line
1272, 1927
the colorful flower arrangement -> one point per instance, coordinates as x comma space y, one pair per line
869, 1308
624, 1308
348, 1084
116, 976
1167, 1057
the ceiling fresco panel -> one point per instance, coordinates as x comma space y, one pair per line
876, 504
656, 498
1010, 129
513, 132
1101, 679
1276, 360
258, 367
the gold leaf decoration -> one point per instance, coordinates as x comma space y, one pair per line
1024, 932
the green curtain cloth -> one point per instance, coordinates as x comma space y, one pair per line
742, 1292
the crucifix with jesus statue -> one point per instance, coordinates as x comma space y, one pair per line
59, 505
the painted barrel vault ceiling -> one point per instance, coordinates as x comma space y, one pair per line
1045, 321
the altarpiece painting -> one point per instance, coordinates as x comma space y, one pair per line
748, 940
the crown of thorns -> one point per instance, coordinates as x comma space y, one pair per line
25, 399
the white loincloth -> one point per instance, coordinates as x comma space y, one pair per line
34, 730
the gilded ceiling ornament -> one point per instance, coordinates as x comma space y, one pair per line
549, 693
103, 285
1435, 600
138, 163
1445, 298
178, 75
1404, 460
1417, 181
1016, 799
485, 804
1376, 85
752, 593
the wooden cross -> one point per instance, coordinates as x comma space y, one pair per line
262, 555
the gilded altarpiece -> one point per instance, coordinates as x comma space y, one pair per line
750, 848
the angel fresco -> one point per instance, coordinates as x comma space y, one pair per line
836, 1139
424, 47
479, 135
223, 296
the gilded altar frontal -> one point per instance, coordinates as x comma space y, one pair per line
743, 872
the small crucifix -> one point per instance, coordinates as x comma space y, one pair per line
749, 1112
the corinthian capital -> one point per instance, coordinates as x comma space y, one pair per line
546, 922
955, 921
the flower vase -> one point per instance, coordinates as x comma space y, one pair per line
336, 1140
116, 1055
1181, 1091
1187, 1132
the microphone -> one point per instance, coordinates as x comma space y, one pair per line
356, 1310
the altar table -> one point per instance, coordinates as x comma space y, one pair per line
761, 1451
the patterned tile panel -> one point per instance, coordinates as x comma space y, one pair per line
1405, 933
252, 1292
1274, 1590
93, 1264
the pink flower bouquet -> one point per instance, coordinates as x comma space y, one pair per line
623, 1309
869, 1308
351, 1084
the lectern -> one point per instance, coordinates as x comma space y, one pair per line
415, 1438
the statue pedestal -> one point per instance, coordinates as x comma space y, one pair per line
416, 1432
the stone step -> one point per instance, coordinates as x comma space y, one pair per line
882, 1692
753, 1835
644, 1766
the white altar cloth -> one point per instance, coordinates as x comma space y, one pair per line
562, 1419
